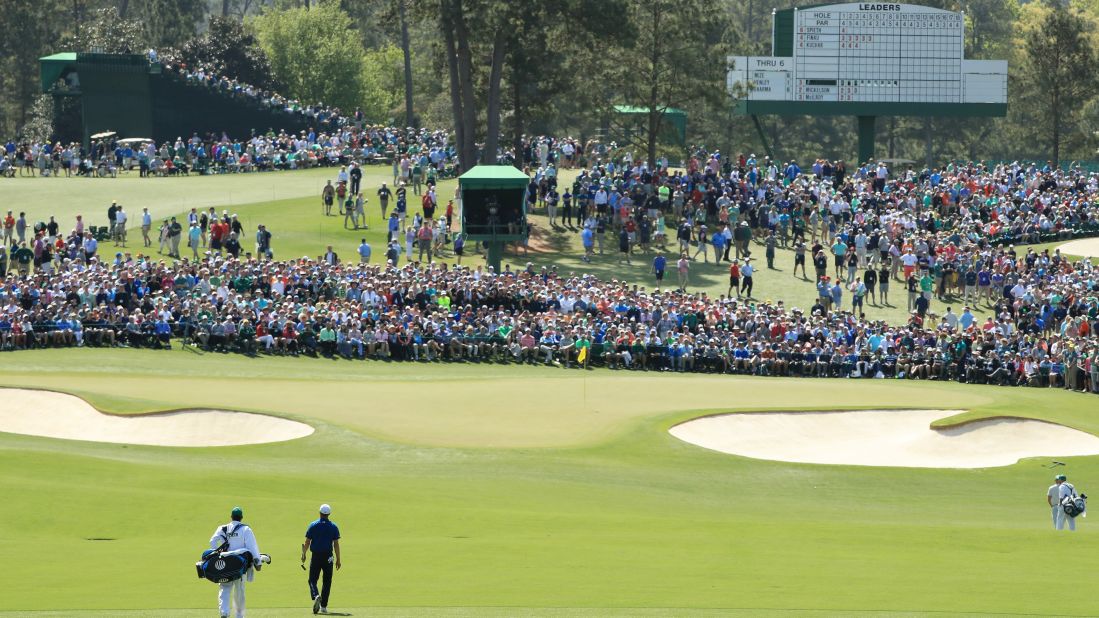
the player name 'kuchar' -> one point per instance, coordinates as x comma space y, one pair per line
879, 7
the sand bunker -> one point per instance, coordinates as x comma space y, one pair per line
1085, 247
884, 438
56, 415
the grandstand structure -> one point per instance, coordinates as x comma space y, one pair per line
134, 97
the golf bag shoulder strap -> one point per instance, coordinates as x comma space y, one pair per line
225, 534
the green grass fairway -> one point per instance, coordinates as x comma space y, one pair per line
468, 490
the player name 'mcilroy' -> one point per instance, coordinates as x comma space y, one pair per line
879, 7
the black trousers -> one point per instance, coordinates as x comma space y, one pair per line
318, 564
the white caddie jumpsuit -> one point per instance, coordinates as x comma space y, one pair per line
240, 539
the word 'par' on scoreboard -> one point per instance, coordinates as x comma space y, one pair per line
869, 52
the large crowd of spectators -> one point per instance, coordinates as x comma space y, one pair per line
109, 156
946, 234
1040, 332
324, 117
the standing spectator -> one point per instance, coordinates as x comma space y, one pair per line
424, 237
263, 242
383, 199
587, 237
175, 231
746, 274
624, 245
194, 239
683, 266
328, 195
393, 226
9, 228
356, 175
146, 225
112, 211
409, 242
120, 218
659, 263
734, 279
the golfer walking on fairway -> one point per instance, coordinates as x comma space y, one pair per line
239, 536
323, 539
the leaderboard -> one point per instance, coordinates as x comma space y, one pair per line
873, 52
866, 52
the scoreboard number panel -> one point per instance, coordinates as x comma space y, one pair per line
872, 53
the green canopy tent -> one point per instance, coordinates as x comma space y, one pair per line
55, 67
494, 207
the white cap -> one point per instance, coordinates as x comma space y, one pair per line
326, 510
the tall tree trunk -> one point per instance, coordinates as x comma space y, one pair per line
447, 18
1055, 110
492, 136
517, 122
409, 115
123, 7
465, 77
927, 141
650, 139
654, 89
225, 8
892, 136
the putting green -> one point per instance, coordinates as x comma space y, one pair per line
509, 488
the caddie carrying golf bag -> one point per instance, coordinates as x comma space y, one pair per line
1074, 505
220, 567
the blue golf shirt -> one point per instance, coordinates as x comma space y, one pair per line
321, 533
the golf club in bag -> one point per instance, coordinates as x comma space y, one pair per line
1075, 505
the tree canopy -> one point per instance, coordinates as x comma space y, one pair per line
315, 52
495, 71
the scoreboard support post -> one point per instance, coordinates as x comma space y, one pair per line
866, 138
762, 136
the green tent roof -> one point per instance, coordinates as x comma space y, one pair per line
66, 56
632, 109
493, 177
53, 68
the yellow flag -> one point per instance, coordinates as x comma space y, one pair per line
582, 356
